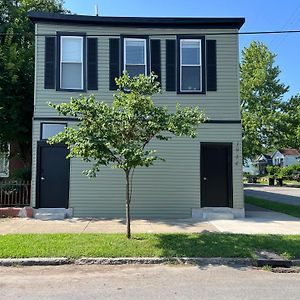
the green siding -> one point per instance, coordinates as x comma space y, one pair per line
168, 189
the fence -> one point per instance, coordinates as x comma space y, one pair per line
14, 193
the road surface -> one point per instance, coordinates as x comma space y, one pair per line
288, 195
145, 282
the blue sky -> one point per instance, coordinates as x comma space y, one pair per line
261, 15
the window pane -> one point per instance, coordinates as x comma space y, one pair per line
135, 70
190, 51
49, 130
71, 76
190, 79
135, 52
71, 49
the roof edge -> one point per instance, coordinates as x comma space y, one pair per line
176, 22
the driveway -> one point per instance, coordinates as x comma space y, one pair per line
146, 282
288, 195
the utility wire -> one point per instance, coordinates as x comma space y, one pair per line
166, 34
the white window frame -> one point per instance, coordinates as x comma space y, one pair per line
4, 159
74, 62
145, 53
191, 65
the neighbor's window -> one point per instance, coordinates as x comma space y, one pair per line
4, 163
71, 62
190, 65
51, 129
135, 56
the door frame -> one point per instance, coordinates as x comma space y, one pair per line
40, 145
229, 173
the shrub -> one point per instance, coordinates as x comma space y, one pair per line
22, 174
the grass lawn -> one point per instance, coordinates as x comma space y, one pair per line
146, 245
292, 210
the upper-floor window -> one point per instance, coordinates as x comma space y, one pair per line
71, 62
135, 56
190, 65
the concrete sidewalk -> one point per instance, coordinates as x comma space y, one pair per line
74, 225
257, 220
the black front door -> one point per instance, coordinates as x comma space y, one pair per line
216, 175
53, 173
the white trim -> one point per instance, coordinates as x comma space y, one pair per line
73, 62
145, 53
190, 65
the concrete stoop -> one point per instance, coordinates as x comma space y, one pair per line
46, 214
217, 213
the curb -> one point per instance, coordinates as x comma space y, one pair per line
39, 261
241, 262
164, 260
125, 261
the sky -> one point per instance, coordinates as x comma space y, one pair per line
261, 15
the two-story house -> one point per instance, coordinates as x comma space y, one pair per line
197, 61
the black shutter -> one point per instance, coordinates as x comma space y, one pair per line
114, 62
155, 58
170, 65
49, 76
211, 65
92, 64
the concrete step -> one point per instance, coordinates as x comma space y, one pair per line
214, 213
217, 216
50, 213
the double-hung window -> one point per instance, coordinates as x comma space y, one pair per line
190, 65
71, 62
135, 56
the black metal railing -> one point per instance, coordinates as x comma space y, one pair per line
14, 193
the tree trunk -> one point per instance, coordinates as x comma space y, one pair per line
128, 230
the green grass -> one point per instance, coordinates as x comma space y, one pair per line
146, 245
292, 210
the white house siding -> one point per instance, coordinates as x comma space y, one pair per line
168, 189
287, 159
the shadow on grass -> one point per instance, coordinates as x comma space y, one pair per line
226, 245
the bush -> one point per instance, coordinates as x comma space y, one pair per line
22, 174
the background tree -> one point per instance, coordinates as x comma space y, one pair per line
17, 70
119, 134
289, 124
261, 99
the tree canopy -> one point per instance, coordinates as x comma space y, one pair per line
17, 69
261, 99
119, 135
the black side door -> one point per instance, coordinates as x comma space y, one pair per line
216, 175
53, 176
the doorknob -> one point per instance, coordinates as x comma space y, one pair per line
204, 178
42, 178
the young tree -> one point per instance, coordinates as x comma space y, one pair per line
261, 97
17, 70
119, 134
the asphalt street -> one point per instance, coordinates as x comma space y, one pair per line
288, 195
146, 282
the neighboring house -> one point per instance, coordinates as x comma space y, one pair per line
10, 162
4, 165
261, 163
285, 157
197, 61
